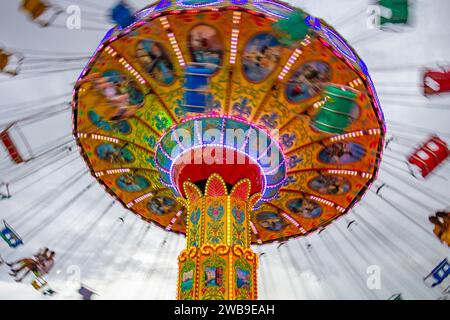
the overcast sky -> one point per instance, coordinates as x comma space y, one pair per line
131, 260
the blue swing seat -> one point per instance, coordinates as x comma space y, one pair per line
122, 15
86, 293
439, 273
10, 236
197, 97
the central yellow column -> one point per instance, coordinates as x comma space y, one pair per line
218, 263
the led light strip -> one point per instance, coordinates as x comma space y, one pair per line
355, 134
228, 218
132, 70
168, 186
173, 41
161, 168
82, 135
294, 222
224, 118
306, 41
289, 63
144, 13
348, 52
276, 185
140, 199
181, 3
116, 171
126, 65
255, 232
271, 172
181, 154
322, 200
374, 131
165, 152
173, 186
165, 23
320, 103
111, 51
260, 6
365, 175
111, 171
173, 220
235, 36
355, 83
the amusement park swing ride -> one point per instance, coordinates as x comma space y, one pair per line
234, 123
158, 85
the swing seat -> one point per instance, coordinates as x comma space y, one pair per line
428, 157
292, 29
399, 11
10, 236
6, 138
436, 82
197, 96
11, 147
86, 293
35, 8
122, 15
439, 274
336, 114
38, 8
5, 62
39, 283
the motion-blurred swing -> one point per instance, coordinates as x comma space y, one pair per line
436, 81
337, 113
86, 293
292, 29
10, 62
393, 12
438, 275
11, 146
122, 14
197, 95
428, 157
41, 12
441, 221
10, 236
41, 285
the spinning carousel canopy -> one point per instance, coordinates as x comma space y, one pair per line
312, 89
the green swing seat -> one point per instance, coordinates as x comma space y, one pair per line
337, 113
292, 29
399, 9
